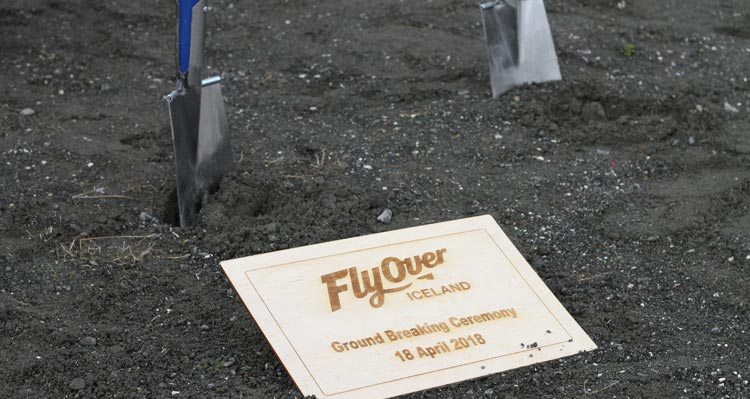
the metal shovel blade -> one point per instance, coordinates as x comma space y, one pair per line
201, 144
184, 115
519, 44
214, 153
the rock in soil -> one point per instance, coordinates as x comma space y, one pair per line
385, 216
730, 108
593, 111
77, 384
144, 216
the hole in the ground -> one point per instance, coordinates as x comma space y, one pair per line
262, 204
171, 213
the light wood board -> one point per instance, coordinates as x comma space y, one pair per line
446, 302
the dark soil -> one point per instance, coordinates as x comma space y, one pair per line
638, 218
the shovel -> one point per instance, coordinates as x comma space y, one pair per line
196, 111
519, 44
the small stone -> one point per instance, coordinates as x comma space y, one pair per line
204, 327
613, 235
211, 385
8, 269
228, 363
727, 107
288, 185
27, 112
271, 228
184, 266
230, 292
652, 238
488, 392
105, 87
593, 111
385, 216
87, 341
716, 330
77, 384
691, 140
319, 180
144, 216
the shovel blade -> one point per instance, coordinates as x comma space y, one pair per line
184, 115
214, 153
519, 44
203, 154
501, 33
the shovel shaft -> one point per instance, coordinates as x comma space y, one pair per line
190, 36
184, 20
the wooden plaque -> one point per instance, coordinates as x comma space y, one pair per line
397, 312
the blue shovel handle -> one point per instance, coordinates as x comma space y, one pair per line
184, 22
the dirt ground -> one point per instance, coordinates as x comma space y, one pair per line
626, 185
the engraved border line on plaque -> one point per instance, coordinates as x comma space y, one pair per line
312, 376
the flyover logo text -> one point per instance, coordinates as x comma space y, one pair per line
394, 271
